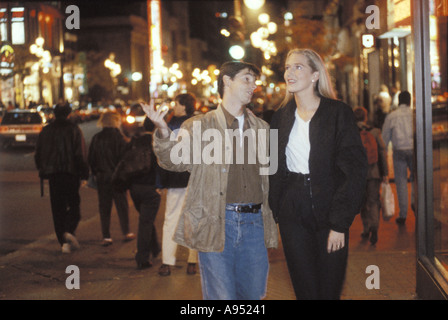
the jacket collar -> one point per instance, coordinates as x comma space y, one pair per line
223, 119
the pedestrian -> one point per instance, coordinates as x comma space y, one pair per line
399, 130
383, 103
105, 152
395, 92
377, 172
318, 187
176, 184
226, 215
61, 158
140, 165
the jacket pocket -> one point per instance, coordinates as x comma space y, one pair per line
201, 230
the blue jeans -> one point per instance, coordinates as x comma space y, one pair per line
403, 160
240, 271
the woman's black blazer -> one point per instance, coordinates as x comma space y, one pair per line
337, 163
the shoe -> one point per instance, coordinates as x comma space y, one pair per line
66, 248
130, 236
106, 242
144, 265
71, 239
164, 270
400, 221
374, 237
191, 269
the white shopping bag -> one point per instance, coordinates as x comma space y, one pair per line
387, 201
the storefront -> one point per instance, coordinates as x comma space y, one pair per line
431, 126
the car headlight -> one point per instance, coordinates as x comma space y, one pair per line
130, 119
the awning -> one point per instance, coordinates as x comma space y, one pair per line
396, 32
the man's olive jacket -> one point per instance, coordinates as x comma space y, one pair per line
202, 222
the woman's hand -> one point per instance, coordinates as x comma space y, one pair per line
336, 241
157, 117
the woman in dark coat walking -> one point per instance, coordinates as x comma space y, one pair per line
318, 187
105, 152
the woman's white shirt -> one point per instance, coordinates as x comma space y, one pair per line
298, 147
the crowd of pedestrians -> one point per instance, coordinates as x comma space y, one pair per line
227, 209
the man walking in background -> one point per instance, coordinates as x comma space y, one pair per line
61, 158
398, 129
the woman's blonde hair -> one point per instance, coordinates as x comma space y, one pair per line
323, 86
109, 119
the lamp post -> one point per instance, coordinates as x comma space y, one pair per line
236, 22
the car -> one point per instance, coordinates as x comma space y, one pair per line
20, 127
133, 120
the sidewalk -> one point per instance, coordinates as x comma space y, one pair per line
37, 271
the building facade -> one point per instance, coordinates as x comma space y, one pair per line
32, 49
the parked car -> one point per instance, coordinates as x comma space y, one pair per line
20, 127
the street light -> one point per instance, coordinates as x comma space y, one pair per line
254, 4
236, 25
259, 38
115, 70
237, 52
44, 56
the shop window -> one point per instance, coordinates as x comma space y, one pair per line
17, 25
438, 35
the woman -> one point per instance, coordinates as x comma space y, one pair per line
176, 184
105, 152
318, 187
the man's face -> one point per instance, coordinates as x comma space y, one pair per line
241, 87
179, 110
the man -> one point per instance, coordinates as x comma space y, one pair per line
226, 216
398, 129
61, 157
176, 184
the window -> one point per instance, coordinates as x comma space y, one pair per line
439, 97
18, 25
3, 25
17, 118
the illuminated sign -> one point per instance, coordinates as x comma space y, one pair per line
6, 59
402, 12
155, 41
368, 40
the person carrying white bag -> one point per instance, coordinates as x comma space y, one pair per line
377, 174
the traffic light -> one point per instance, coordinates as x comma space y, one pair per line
236, 28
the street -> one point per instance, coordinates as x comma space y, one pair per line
24, 214
32, 266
